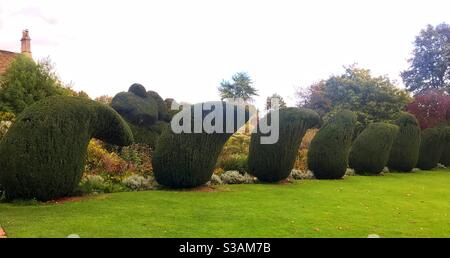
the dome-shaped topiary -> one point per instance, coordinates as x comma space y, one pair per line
138, 90
274, 162
328, 151
405, 149
42, 155
431, 148
369, 153
183, 160
445, 157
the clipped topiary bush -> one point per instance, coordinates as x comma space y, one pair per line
405, 149
183, 160
445, 157
370, 151
138, 110
431, 148
145, 111
42, 156
329, 150
274, 162
163, 114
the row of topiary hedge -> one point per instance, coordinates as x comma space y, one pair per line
52, 136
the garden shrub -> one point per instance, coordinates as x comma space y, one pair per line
445, 157
94, 184
236, 162
141, 111
183, 160
99, 160
328, 152
370, 151
42, 156
302, 174
145, 111
405, 149
163, 114
431, 148
234, 178
274, 162
139, 183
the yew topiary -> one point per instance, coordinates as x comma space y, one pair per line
431, 148
186, 159
274, 162
145, 111
405, 149
445, 157
42, 156
370, 151
328, 151
136, 109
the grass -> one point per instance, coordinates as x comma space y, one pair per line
395, 205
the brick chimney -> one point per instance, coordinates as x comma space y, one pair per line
26, 43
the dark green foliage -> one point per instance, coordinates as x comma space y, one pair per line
140, 111
328, 152
431, 148
138, 90
372, 98
163, 115
26, 82
183, 160
370, 151
445, 157
274, 162
146, 135
405, 149
146, 113
42, 155
241, 87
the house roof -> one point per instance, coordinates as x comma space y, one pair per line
6, 57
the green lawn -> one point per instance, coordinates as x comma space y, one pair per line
395, 205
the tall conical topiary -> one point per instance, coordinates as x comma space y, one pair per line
405, 149
42, 155
370, 151
431, 148
328, 151
445, 157
274, 162
184, 159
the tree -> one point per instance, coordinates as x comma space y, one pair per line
430, 64
26, 82
431, 108
314, 98
281, 102
240, 87
373, 99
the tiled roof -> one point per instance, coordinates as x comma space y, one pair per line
6, 58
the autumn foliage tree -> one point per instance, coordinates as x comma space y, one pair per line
431, 108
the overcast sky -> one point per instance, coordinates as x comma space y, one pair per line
184, 48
